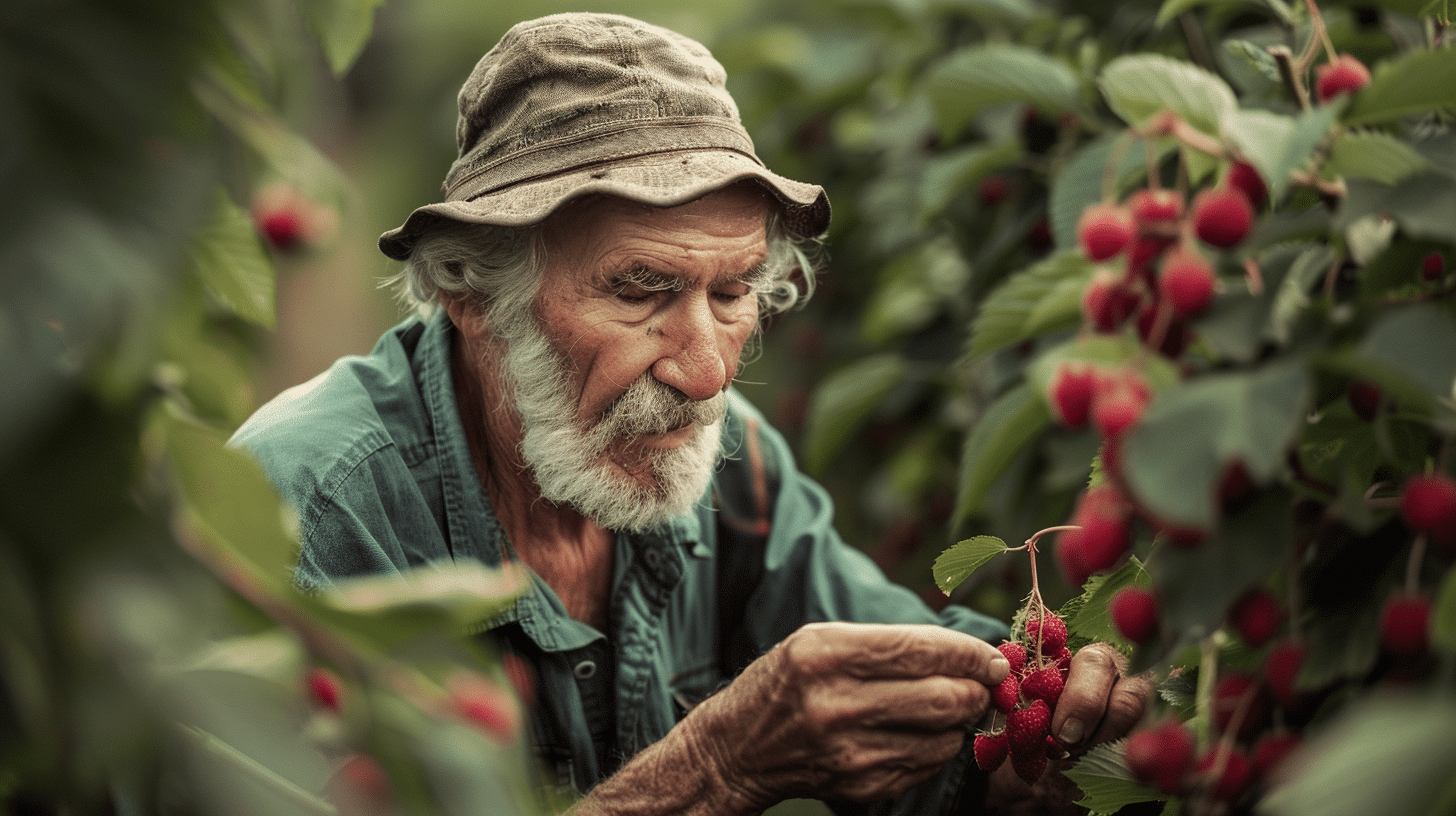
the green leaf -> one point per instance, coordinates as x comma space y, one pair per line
973, 79
1093, 621
1239, 324
1176, 456
1107, 784
1416, 342
1276, 144
1424, 205
231, 262
1140, 86
1173, 8
461, 593
1255, 55
1015, 311
956, 564
1383, 754
234, 511
1111, 351
844, 401
1375, 156
1007, 426
342, 28
1415, 82
949, 174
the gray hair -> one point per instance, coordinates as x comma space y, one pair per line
502, 268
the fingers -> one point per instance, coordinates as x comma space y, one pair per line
1097, 703
876, 651
924, 704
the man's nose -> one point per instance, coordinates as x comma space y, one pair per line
693, 351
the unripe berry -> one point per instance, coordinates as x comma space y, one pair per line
1071, 393
1255, 616
1222, 216
1134, 612
1186, 282
1161, 756
1344, 74
1405, 625
1104, 230
1156, 211
1243, 176
1428, 503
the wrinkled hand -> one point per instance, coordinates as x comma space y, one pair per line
1097, 705
848, 711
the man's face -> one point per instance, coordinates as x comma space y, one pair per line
643, 315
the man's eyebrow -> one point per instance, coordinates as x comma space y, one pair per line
654, 280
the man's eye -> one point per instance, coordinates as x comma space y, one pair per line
634, 294
732, 294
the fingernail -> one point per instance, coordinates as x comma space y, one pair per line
1000, 667
1071, 733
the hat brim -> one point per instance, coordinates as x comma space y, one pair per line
660, 179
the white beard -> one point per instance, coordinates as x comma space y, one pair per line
584, 467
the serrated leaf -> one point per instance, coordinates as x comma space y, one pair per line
1255, 55
342, 27
1177, 454
1415, 82
1007, 315
973, 79
1376, 156
1276, 144
232, 264
1107, 784
1007, 426
1139, 86
956, 564
844, 401
1093, 621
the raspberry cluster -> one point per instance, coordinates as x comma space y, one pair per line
1027, 698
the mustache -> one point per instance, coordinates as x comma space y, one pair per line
651, 407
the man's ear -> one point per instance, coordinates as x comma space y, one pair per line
467, 314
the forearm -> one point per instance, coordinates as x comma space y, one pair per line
676, 775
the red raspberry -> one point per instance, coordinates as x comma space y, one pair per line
1433, 266
1364, 397
323, 685
1271, 750
1244, 177
1233, 692
485, 704
1103, 515
1107, 302
1405, 625
1071, 393
992, 190
1044, 684
360, 786
1156, 211
1070, 552
1255, 616
1146, 249
1226, 771
1050, 629
1161, 755
282, 228
1063, 658
1134, 612
1222, 216
1281, 667
1029, 766
1006, 694
1118, 405
1186, 282
1428, 503
990, 750
1015, 654
1104, 230
1026, 728
1343, 74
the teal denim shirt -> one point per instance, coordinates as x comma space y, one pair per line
373, 455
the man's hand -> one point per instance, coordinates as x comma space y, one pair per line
1097, 705
849, 711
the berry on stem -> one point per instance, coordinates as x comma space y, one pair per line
1222, 216
1103, 514
1134, 612
1007, 694
1343, 74
1026, 728
1405, 625
1226, 771
1044, 684
1015, 654
1433, 266
1119, 403
1050, 629
1281, 667
323, 685
1236, 692
1108, 301
1071, 393
1255, 616
1104, 230
1156, 211
991, 750
1242, 176
1428, 503
1161, 755
1364, 397
1186, 282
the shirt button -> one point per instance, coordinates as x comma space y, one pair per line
585, 669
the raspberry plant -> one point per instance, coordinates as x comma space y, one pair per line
1234, 444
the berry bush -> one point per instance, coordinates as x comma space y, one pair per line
1163, 291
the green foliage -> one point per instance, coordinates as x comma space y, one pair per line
956, 564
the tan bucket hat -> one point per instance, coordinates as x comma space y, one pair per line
573, 104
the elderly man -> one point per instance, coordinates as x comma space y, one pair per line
702, 639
